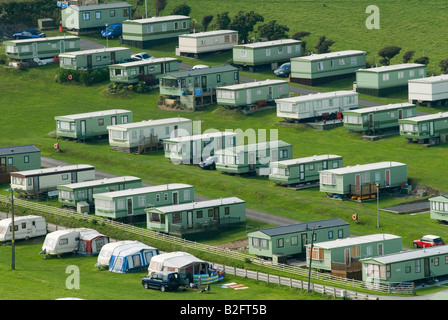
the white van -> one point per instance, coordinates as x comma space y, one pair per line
25, 227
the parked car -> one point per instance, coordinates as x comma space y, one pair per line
284, 70
209, 163
428, 241
142, 56
29, 34
161, 280
200, 66
112, 31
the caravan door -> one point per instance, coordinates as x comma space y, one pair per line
83, 128
129, 207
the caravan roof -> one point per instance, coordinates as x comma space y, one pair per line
176, 259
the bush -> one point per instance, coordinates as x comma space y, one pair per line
82, 77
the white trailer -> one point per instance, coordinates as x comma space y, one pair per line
25, 227
429, 91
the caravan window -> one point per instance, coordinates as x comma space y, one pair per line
63, 241
177, 217
16, 228
136, 260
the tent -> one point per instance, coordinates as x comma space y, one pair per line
130, 257
91, 242
106, 252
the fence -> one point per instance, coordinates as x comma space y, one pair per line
228, 254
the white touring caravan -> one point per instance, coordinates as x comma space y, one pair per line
81, 241
25, 227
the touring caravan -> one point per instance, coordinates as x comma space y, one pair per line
25, 227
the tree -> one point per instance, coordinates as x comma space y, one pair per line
299, 35
408, 56
387, 53
206, 21
182, 9
444, 65
159, 5
422, 60
223, 21
244, 23
323, 45
273, 31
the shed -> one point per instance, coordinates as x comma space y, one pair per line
427, 129
429, 91
132, 202
18, 158
93, 59
197, 87
361, 181
197, 217
196, 148
252, 95
268, 53
384, 80
438, 207
90, 18
201, 43
148, 70
41, 48
90, 124
248, 158
138, 136
303, 171
378, 119
131, 257
317, 69
74, 193
317, 105
341, 257
292, 239
144, 33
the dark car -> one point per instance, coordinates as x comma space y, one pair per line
112, 31
29, 34
209, 163
284, 70
161, 280
428, 241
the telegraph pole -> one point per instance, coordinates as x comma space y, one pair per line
13, 257
311, 260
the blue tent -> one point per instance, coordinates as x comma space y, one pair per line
131, 257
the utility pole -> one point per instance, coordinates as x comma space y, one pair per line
13, 257
311, 260
377, 205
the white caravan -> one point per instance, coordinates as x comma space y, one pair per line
25, 227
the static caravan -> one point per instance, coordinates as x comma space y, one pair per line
252, 96
90, 124
81, 241
263, 54
197, 217
188, 266
378, 119
252, 158
341, 257
25, 227
88, 60
361, 181
138, 136
304, 171
438, 207
93, 17
131, 257
80, 195
197, 87
199, 44
289, 240
429, 92
132, 202
41, 50
38, 181
18, 158
407, 266
317, 69
144, 33
148, 70
427, 129
196, 148
383, 80
317, 106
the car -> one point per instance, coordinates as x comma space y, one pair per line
284, 70
161, 280
200, 66
29, 34
142, 56
209, 163
112, 31
428, 241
